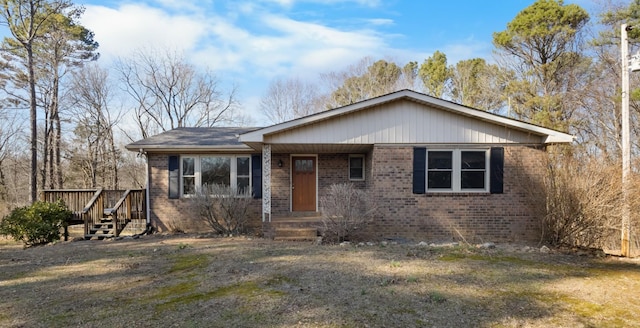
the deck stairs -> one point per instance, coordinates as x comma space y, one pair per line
104, 213
103, 229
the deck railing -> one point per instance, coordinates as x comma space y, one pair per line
91, 206
131, 206
76, 200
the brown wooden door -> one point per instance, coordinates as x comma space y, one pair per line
303, 183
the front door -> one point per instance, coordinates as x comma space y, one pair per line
303, 183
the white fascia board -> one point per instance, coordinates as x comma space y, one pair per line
552, 136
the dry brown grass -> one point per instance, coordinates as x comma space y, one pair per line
186, 281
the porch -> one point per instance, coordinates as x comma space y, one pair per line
104, 213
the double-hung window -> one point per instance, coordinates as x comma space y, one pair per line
199, 171
458, 170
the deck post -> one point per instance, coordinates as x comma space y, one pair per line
266, 183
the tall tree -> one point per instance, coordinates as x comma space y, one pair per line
95, 151
477, 84
10, 128
28, 22
169, 93
287, 99
409, 76
435, 74
379, 78
599, 124
66, 45
542, 44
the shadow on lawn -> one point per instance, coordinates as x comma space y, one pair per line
223, 282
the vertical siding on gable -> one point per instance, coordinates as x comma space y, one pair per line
402, 122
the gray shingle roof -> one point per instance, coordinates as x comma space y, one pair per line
194, 139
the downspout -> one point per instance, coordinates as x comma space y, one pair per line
143, 153
147, 186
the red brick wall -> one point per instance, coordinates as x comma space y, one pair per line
178, 214
474, 217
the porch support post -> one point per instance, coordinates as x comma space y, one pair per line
266, 183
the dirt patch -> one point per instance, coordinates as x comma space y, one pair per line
190, 281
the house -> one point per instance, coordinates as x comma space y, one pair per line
436, 169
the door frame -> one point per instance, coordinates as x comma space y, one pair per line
291, 156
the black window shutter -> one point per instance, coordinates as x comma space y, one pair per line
419, 170
256, 175
497, 170
174, 177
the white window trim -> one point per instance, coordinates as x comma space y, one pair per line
363, 167
456, 178
198, 175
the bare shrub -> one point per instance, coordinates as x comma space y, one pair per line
583, 203
223, 208
175, 226
345, 211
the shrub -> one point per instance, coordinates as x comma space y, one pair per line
37, 224
223, 208
583, 203
345, 212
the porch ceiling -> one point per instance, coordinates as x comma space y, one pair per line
320, 148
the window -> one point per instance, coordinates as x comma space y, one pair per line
356, 167
199, 171
457, 170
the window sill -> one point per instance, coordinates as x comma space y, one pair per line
431, 193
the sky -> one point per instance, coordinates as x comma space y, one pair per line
250, 43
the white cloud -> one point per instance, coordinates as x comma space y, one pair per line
380, 21
242, 43
128, 27
291, 3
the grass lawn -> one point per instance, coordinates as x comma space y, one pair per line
188, 281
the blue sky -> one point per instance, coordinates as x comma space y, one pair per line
249, 43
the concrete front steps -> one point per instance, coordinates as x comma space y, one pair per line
295, 234
293, 228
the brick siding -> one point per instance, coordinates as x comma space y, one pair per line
474, 217
178, 214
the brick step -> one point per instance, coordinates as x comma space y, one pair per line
296, 223
295, 234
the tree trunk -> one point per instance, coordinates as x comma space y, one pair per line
56, 176
34, 125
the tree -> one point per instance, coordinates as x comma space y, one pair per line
477, 84
435, 74
169, 93
95, 152
26, 21
360, 82
66, 45
10, 127
599, 124
542, 46
287, 99
409, 76
31, 24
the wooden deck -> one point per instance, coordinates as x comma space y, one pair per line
104, 213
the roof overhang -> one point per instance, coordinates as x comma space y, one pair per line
549, 136
186, 149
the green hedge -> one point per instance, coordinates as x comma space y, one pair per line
37, 224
